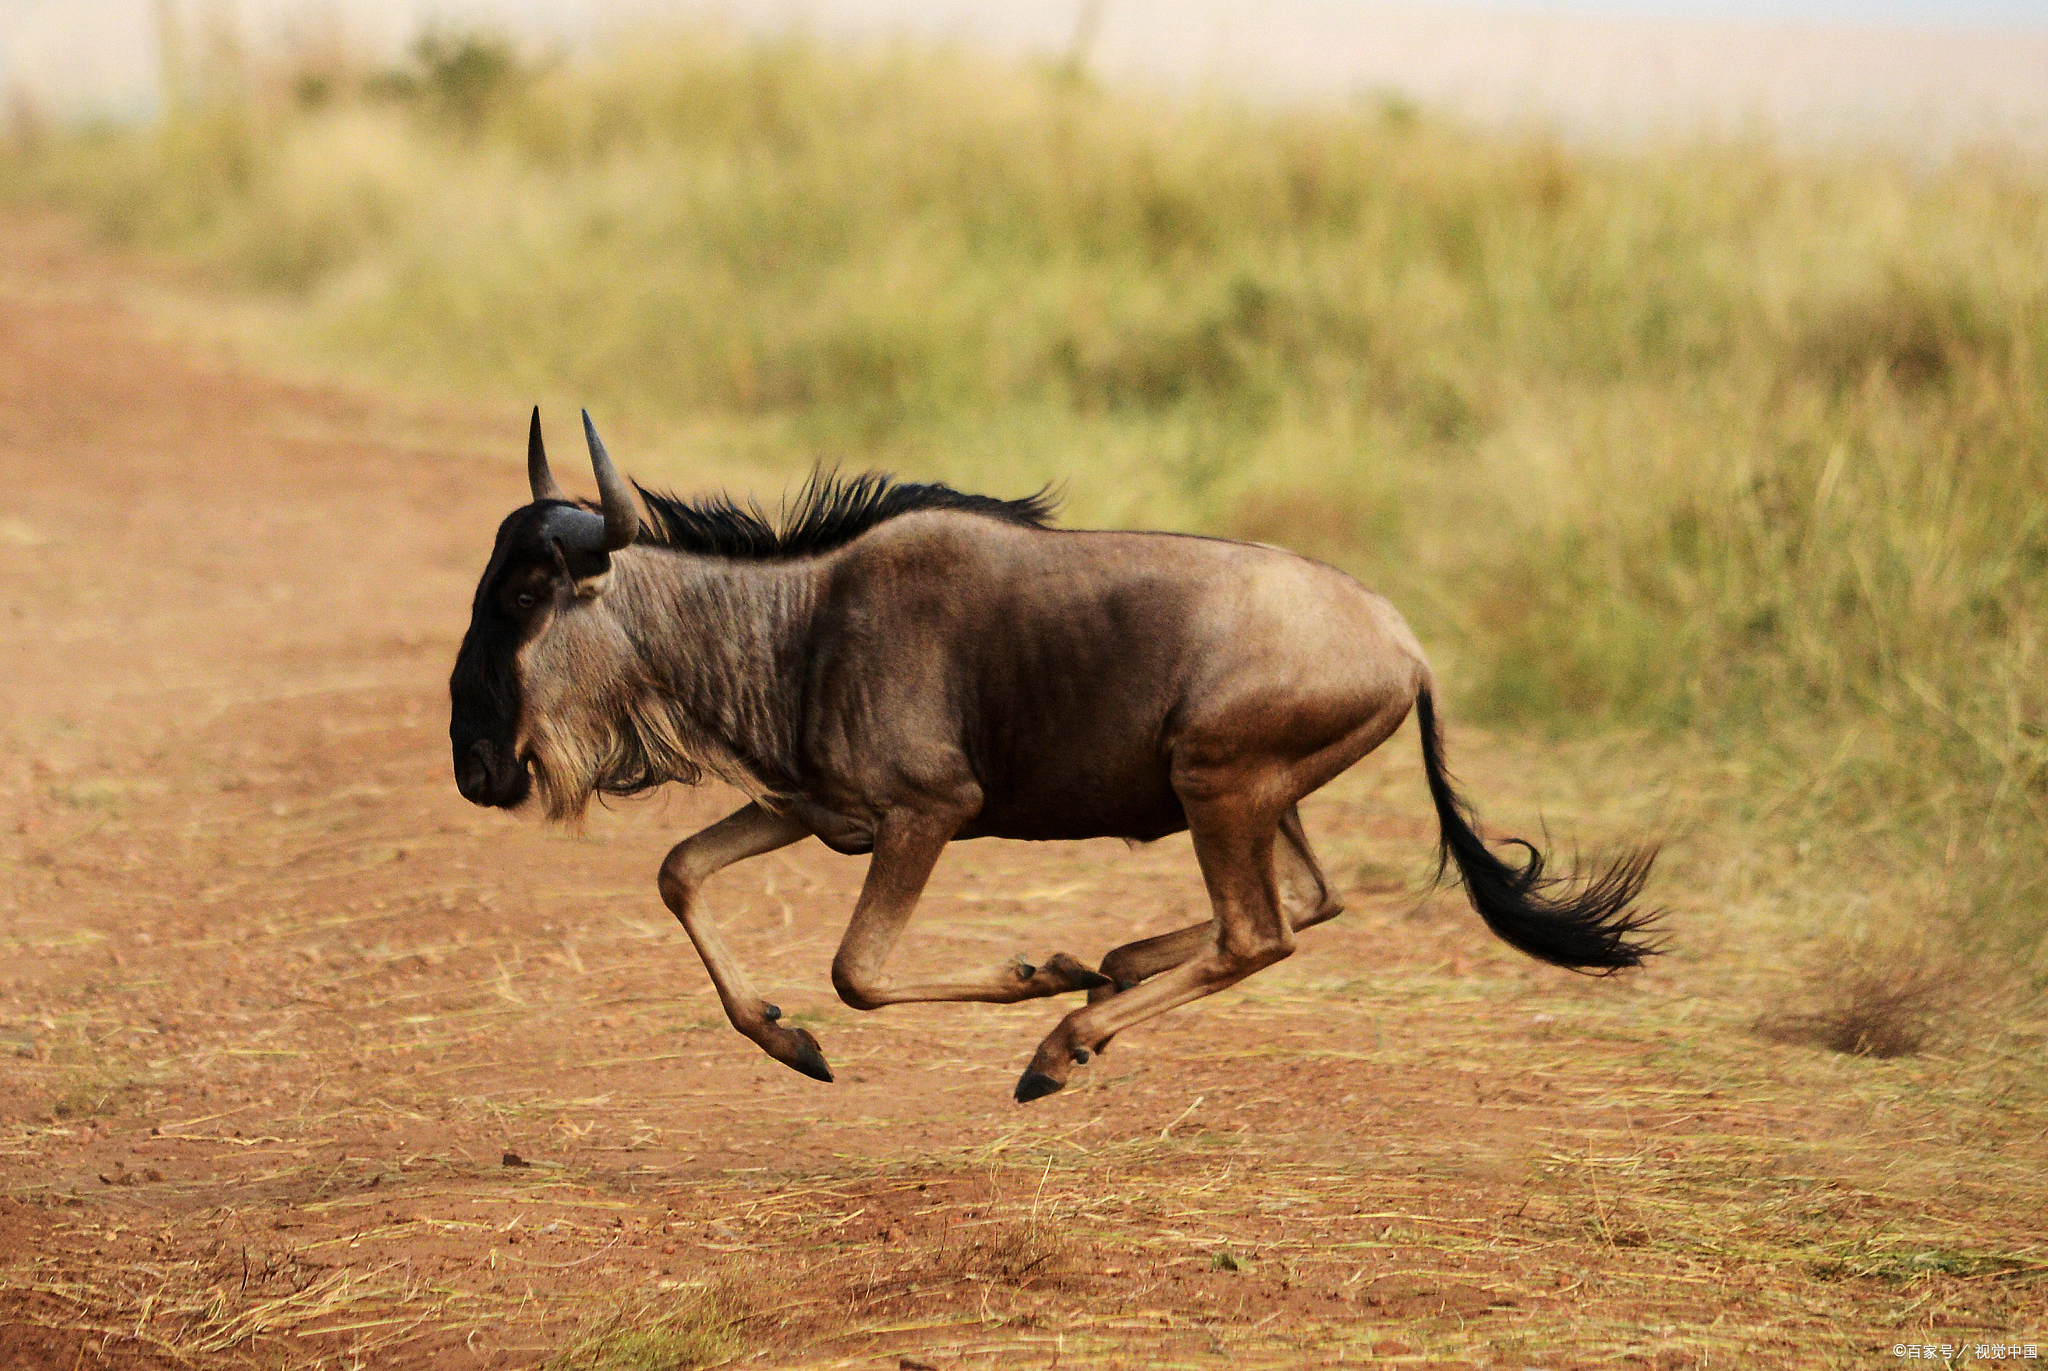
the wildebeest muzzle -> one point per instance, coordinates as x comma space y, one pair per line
487, 774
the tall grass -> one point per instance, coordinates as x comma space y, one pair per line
1705, 437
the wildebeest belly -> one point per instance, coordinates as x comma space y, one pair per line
1084, 802
1067, 701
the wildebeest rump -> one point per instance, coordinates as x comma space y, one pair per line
896, 666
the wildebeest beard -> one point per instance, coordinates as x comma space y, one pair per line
628, 740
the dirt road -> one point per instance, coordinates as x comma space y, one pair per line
280, 1012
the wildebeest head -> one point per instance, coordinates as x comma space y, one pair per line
538, 644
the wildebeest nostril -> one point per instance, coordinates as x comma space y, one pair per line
474, 770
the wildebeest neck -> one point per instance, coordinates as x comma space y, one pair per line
725, 641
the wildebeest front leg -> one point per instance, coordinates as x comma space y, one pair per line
906, 850
748, 832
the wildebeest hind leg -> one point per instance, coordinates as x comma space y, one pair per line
1234, 840
1304, 894
747, 832
906, 850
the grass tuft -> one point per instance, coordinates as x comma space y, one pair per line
669, 1332
1873, 998
84, 1098
1021, 1251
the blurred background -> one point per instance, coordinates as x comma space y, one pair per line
1679, 367
1941, 69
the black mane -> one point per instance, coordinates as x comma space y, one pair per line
830, 511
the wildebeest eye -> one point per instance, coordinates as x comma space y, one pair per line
525, 600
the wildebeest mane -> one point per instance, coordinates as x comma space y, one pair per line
828, 512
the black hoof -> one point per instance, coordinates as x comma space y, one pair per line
1036, 1085
808, 1057
1076, 974
770, 1012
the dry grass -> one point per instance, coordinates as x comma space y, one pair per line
1026, 1251
233, 1306
86, 1094
672, 1330
1876, 997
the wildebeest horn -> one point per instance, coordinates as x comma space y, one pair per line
537, 474
621, 518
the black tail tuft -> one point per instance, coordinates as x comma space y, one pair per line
1584, 923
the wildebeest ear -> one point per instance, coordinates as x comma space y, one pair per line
591, 573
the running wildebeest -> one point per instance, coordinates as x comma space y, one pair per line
899, 666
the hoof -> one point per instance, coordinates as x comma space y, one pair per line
770, 1012
1036, 1085
810, 1058
1025, 971
796, 1049
1080, 1056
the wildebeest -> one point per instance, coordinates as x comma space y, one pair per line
896, 666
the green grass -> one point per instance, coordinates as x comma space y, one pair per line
1707, 438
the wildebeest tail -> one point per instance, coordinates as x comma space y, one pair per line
1586, 923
